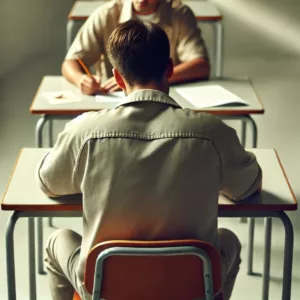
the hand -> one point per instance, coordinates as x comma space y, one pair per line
110, 85
88, 85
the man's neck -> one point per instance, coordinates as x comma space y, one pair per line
149, 86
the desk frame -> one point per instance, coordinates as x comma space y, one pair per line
288, 246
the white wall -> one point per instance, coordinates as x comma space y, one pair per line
276, 20
29, 28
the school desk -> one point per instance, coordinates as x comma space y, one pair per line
24, 198
49, 112
205, 12
243, 88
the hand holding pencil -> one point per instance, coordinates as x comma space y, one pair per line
89, 84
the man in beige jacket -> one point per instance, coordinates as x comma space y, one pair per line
147, 169
188, 50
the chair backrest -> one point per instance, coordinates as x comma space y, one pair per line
160, 270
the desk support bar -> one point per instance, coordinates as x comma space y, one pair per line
246, 119
219, 49
267, 258
10, 257
251, 227
288, 255
288, 244
40, 245
39, 131
31, 251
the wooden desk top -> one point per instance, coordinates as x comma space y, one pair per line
241, 87
204, 11
23, 194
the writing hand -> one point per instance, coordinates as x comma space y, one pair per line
89, 85
110, 85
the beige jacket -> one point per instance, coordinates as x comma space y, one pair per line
178, 22
148, 170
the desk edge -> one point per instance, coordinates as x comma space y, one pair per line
10, 178
286, 179
256, 94
31, 110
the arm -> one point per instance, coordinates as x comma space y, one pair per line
74, 73
56, 173
241, 175
88, 45
191, 50
191, 70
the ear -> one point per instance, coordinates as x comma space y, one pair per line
170, 69
119, 79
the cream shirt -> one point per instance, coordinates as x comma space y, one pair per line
148, 170
178, 22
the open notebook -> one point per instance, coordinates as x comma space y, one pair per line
209, 96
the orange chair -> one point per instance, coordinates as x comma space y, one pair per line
160, 270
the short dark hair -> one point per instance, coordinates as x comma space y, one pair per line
140, 51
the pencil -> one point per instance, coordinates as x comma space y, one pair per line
85, 68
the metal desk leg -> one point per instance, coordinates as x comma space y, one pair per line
50, 138
219, 49
31, 251
40, 245
50, 132
243, 134
70, 26
251, 224
248, 119
243, 142
10, 256
39, 143
73, 27
267, 258
39, 130
251, 227
50, 222
288, 255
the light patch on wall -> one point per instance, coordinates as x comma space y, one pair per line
273, 25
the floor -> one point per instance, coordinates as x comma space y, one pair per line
274, 70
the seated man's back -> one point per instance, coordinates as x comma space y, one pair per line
148, 169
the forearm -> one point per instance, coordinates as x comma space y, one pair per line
196, 69
72, 71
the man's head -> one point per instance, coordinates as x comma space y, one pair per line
140, 55
145, 7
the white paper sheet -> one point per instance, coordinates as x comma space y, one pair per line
61, 97
115, 97
209, 96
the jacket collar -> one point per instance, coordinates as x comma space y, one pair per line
149, 95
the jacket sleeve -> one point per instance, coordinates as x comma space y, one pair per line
56, 173
241, 174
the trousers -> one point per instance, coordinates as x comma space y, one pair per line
63, 250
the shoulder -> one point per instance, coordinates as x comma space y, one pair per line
84, 126
181, 10
203, 123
